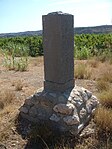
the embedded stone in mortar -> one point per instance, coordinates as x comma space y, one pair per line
71, 120
83, 113
70, 113
64, 108
54, 117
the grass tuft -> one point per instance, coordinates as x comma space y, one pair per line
102, 85
18, 85
7, 96
106, 98
1, 105
82, 71
103, 119
94, 63
107, 76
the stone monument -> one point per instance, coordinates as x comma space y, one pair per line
65, 106
58, 37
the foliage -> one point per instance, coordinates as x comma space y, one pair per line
87, 45
31, 45
82, 53
11, 62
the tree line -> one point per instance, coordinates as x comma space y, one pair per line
32, 45
86, 45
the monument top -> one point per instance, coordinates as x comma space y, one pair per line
58, 13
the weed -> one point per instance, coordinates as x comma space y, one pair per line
82, 54
21, 64
11, 62
8, 62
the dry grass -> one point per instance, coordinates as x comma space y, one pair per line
7, 118
104, 77
1, 105
82, 71
9, 109
103, 119
106, 98
104, 72
18, 85
110, 61
94, 63
7, 96
107, 75
88, 143
100, 70
35, 61
102, 85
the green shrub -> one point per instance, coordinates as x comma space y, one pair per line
14, 63
21, 64
33, 45
82, 53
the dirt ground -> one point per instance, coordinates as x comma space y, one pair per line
31, 80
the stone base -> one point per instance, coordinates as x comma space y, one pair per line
67, 112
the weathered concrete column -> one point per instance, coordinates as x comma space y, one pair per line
58, 43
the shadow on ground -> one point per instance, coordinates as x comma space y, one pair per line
46, 140
23, 128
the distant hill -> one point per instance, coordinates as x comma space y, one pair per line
104, 29
27, 33
78, 30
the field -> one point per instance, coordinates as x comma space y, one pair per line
21, 76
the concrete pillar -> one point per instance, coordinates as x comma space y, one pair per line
58, 43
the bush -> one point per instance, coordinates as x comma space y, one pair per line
14, 63
35, 47
82, 53
21, 64
32, 45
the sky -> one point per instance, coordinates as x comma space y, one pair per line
26, 15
